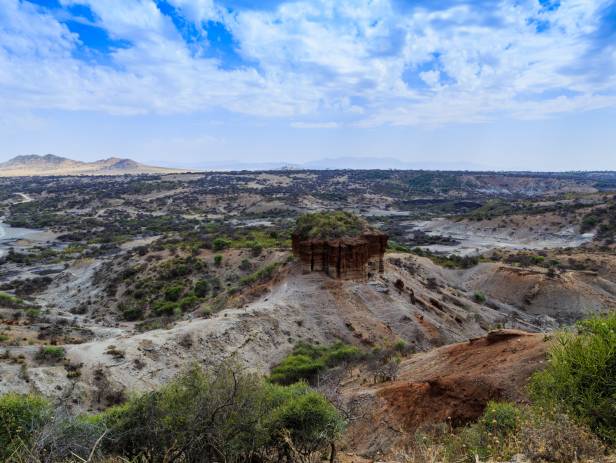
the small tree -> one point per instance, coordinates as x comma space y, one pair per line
581, 375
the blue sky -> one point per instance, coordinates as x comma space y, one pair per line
511, 84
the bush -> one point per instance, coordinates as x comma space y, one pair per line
261, 275
12, 302
20, 417
547, 436
500, 418
392, 246
166, 308
588, 223
222, 415
306, 361
304, 417
479, 297
505, 430
256, 249
220, 243
218, 260
245, 265
132, 313
50, 354
202, 288
173, 293
581, 375
295, 368
188, 302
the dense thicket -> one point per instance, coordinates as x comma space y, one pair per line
214, 416
581, 375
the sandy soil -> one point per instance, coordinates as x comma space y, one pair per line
522, 233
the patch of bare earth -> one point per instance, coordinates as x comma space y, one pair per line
449, 384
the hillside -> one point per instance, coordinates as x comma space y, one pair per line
49, 164
452, 384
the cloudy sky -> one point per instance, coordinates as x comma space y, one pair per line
511, 84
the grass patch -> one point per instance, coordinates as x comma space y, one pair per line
13, 302
504, 430
50, 354
261, 275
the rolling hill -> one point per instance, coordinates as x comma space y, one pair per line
49, 164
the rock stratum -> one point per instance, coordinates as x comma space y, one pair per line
339, 244
346, 257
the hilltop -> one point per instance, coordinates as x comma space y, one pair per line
50, 164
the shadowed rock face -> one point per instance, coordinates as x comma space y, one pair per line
347, 257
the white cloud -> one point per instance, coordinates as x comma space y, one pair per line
360, 62
315, 125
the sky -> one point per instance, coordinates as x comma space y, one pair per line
511, 84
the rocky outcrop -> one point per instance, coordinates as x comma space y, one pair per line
346, 257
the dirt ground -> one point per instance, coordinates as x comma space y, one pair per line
449, 384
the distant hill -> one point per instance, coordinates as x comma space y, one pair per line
49, 164
349, 162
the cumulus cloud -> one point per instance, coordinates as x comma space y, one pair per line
358, 62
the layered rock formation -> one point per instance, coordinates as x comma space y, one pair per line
345, 257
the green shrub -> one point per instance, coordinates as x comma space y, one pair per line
400, 345
588, 223
220, 243
20, 417
500, 418
339, 353
303, 416
218, 260
392, 246
188, 302
12, 302
261, 275
581, 375
296, 368
221, 415
256, 249
132, 313
306, 361
173, 293
202, 288
245, 265
479, 297
504, 430
166, 308
50, 354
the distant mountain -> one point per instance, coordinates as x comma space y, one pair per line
236, 166
353, 163
50, 164
387, 163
